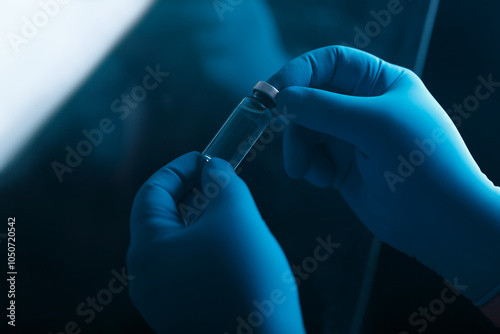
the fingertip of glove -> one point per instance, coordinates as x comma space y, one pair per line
291, 96
220, 183
194, 155
288, 92
218, 164
219, 169
186, 159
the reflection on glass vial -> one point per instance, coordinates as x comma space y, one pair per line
244, 126
240, 131
234, 139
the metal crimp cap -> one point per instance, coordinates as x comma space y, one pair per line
267, 89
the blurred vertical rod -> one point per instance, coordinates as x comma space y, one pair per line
418, 68
366, 286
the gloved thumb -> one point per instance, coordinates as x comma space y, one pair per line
350, 118
227, 195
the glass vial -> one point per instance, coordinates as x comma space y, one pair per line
243, 127
236, 137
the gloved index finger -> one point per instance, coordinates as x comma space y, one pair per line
345, 69
154, 211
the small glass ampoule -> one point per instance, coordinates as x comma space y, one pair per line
244, 126
235, 138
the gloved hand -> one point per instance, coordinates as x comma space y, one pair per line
220, 274
372, 130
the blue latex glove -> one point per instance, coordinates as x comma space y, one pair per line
372, 130
221, 274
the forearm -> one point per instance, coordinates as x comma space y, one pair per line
491, 212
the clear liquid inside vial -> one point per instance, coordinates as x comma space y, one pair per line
233, 141
240, 131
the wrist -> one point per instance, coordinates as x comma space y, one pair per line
474, 242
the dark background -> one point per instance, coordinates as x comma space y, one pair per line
70, 235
